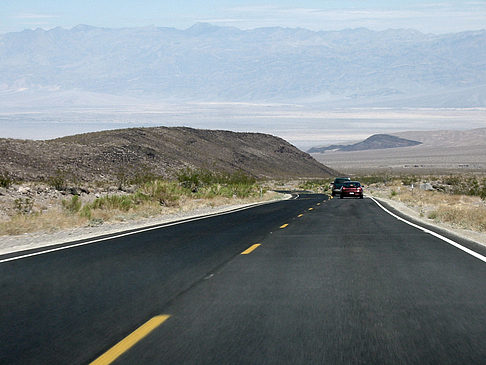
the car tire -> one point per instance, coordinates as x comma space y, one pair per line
361, 196
341, 196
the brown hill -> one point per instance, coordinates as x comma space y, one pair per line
161, 150
374, 142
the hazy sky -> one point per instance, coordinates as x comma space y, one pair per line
434, 16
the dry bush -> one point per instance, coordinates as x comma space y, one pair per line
468, 217
153, 198
49, 221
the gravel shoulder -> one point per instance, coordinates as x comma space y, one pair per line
477, 237
27, 241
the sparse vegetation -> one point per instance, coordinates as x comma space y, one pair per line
23, 205
152, 196
73, 205
372, 179
6, 180
432, 215
457, 200
318, 185
58, 180
409, 180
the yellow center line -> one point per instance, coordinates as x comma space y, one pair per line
300, 215
251, 249
284, 225
311, 208
318, 204
128, 342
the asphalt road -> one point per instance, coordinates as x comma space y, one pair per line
344, 283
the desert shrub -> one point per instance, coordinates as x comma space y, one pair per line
192, 179
393, 193
113, 202
167, 193
73, 205
6, 180
85, 211
460, 185
238, 178
236, 190
409, 180
465, 217
143, 176
121, 179
324, 184
452, 180
24, 205
432, 215
243, 190
482, 192
58, 180
196, 179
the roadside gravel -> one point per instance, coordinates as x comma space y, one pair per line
415, 214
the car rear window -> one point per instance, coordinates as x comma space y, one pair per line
352, 184
340, 181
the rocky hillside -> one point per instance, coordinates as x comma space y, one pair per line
110, 155
375, 142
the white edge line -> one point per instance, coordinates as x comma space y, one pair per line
449, 241
162, 225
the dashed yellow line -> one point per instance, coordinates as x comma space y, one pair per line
318, 204
128, 342
300, 215
284, 225
251, 249
311, 208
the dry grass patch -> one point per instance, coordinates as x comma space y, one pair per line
473, 218
152, 199
460, 211
49, 221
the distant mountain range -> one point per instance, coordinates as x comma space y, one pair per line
375, 142
160, 151
206, 62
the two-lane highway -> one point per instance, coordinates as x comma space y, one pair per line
346, 284
319, 281
67, 306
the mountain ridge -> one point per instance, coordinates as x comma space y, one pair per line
208, 62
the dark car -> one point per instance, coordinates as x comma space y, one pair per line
338, 183
352, 189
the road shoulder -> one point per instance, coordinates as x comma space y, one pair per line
473, 240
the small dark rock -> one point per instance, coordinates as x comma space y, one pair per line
73, 191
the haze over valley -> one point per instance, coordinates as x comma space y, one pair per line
308, 87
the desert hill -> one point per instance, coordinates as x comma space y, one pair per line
160, 150
442, 152
374, 142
